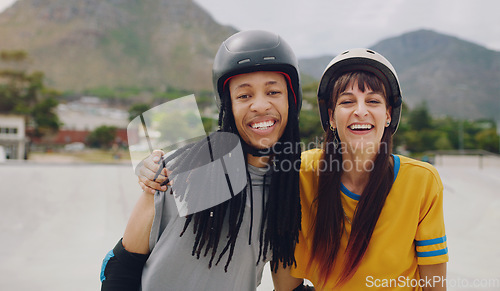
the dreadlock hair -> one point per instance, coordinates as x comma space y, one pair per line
207, 224
329, 222
281, 213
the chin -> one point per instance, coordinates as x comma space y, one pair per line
263, 145
363, 147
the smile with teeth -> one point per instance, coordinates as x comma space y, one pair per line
263, 125
360, 126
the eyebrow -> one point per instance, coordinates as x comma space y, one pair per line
268, 83
369, 93
345, 94
242, 85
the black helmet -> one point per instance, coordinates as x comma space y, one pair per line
360, 60
251, 51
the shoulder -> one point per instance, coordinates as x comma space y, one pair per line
310, 159
309, 175
417, 173
413, 165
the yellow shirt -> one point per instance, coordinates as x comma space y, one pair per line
409, 232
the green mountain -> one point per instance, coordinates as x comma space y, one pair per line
454, 77
115, 43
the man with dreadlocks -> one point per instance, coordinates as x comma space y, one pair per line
257, 86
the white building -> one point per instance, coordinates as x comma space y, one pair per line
13, 135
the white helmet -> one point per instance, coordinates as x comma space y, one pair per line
360, 60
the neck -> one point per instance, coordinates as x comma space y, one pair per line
259, 162
356, 170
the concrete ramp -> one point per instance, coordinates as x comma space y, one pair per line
472, 217
57, 222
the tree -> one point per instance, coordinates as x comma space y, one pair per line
311, 130
137, 109
488, 139
44, 117
209, 124
420, 118
102, 137
25, 93
403, 127
442, 142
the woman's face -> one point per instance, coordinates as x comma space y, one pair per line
260, 107
360, 118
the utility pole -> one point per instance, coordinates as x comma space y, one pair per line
461, 99
498, 133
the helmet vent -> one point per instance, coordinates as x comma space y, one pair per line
346, 52
369, 51
269, 58
244, 61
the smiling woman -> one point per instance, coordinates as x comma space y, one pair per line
377, 216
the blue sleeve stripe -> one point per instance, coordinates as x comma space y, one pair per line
432, 253
428, 242
397, 164
109, 255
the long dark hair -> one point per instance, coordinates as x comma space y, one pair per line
281, 213
329, 222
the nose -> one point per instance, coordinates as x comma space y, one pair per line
361, 109
260, 103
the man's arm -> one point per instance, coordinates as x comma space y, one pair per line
136, 236
435, 274
122, 267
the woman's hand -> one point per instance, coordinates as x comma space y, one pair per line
146, 171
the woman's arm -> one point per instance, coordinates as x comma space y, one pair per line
283, 281
436, 274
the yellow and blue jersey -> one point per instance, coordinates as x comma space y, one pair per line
409, 232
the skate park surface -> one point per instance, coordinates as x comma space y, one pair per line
58, 221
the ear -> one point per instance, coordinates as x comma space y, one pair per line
388, 117
332, 120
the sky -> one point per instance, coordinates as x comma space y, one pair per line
328, 27
318, 27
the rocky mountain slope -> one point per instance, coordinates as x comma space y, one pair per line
111, 43
454, 77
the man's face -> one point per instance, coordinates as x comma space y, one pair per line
260, 107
